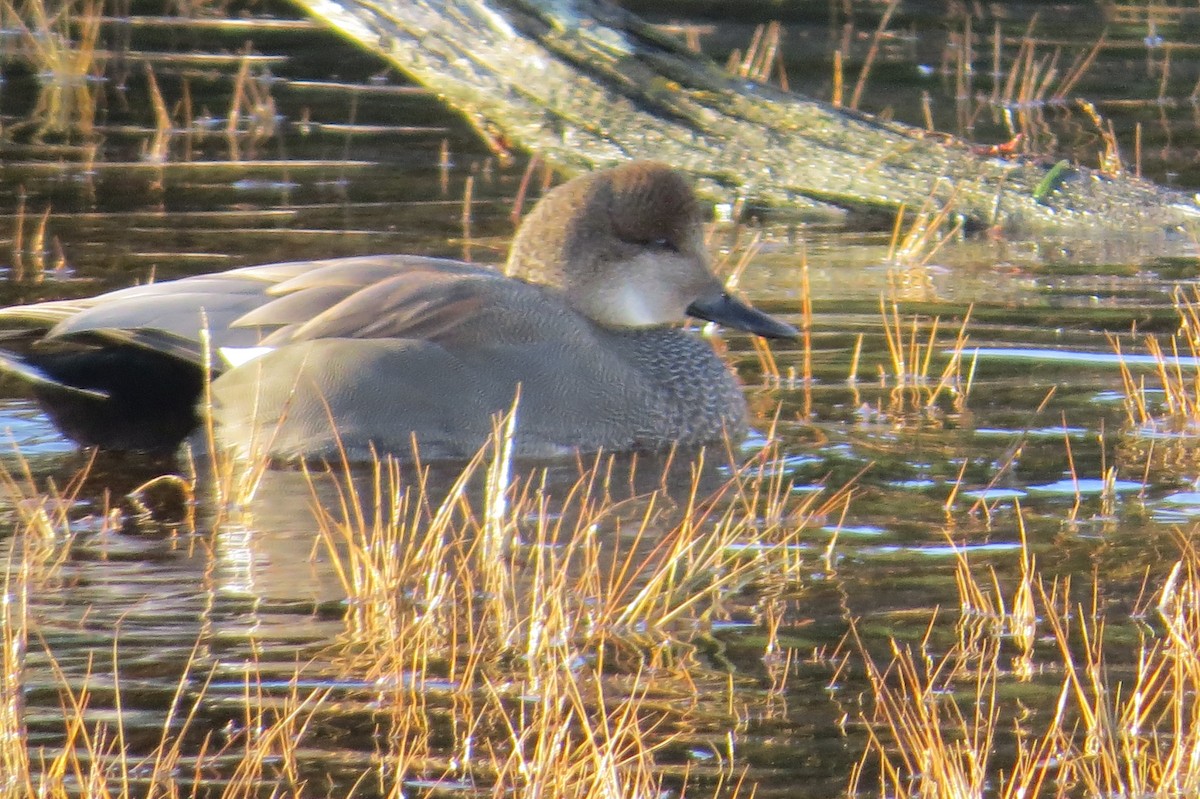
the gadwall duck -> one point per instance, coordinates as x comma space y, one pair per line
368, 354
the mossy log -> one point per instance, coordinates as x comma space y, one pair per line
584, 84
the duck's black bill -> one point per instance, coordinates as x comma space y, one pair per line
732, 312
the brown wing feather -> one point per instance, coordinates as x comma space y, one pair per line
452, 309
362, 271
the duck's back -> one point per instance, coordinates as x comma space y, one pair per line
433, 356
125, 370
359, 355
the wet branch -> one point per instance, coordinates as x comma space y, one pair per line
583, 84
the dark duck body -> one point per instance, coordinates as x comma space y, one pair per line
369, 354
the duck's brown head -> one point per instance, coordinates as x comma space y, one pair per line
626, 246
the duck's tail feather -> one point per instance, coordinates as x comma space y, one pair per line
23, 370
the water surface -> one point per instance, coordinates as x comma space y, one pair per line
247, 594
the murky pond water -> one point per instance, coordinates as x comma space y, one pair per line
227, 625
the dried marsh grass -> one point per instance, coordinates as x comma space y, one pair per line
515, 640
763, 57
45, 516
541, 619
933, 225
14, 638
551, 636
909, 372
987, 612
1126, 721
546, 572
940, 726
1168, 399
97, 756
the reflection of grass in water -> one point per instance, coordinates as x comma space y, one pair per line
28, 248
59, 43
60, 46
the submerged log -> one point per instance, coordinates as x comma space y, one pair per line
584, 84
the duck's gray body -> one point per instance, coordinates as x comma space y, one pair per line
369, 354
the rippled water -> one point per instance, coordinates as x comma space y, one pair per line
244, 597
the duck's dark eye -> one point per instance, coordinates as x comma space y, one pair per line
660, 243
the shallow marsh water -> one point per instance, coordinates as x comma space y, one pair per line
1042, 440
